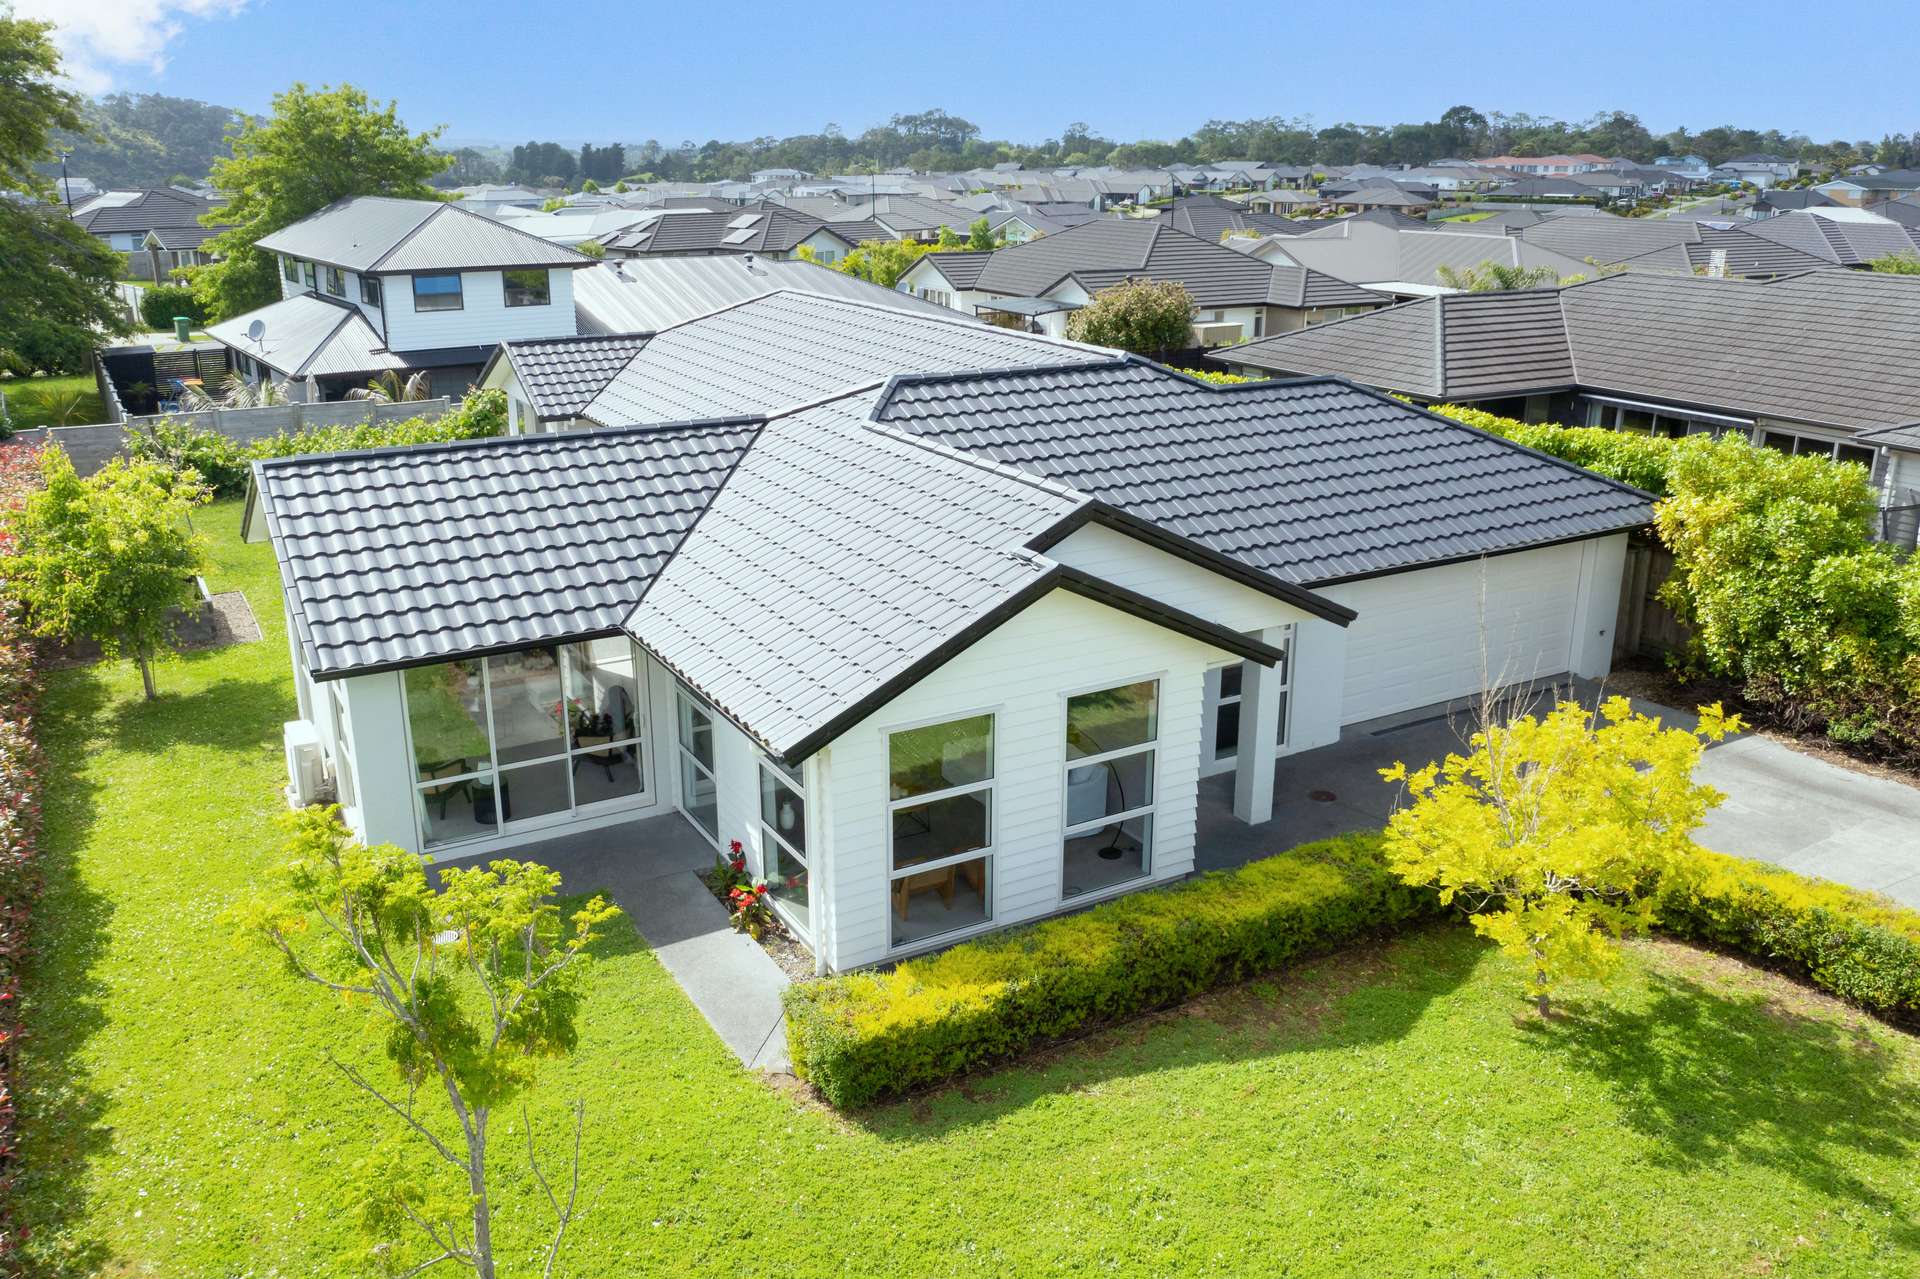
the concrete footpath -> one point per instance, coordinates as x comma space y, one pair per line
652, 870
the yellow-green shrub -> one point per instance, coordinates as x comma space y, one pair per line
866, 1035
1859, 945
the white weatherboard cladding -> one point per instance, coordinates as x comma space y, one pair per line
377, 722
1433, 634
1167, 579
484, 317
1021, 673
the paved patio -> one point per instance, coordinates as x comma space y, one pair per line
651, 869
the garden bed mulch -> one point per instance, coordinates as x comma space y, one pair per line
224, 619
1646, 679
782, 947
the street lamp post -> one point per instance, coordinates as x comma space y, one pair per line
65, 189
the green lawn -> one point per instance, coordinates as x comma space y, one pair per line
1391, 1111
52, 401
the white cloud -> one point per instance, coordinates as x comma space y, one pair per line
98, 39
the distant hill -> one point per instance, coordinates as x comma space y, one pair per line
146, 140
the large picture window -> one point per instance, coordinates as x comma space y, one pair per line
940, 828
699, 793
783, 841
1113, 737
527, 288
437, 293
520, 737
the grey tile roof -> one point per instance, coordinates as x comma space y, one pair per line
1837, 239
400, 556
835, 559
143, 210
755, 228
1838, 348
636, 295
1308, 481
1210, 217
1493, 343
1607, 239
562, 375
308, 334
961, 268
377, 235
1899, 437
790, 348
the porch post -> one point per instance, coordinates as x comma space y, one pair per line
1259, 731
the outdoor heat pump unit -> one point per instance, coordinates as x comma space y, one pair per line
306, 764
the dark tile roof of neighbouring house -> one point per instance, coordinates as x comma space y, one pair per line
401, 556
1101, 254
1839, 348
1209, 217
562, 375
1311, 482
1847, 237
774, 352
758, 228
142, 210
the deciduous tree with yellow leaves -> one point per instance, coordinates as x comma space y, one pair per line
1552, 832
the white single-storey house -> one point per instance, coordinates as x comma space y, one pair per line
946, 646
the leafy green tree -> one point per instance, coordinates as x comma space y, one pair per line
1147, 317
1897, 264
980, 235
147, 140
1553, 832
109, 557
592, 248
948, 240
57, 282
1495, 277
467, 989
880, 262
318, 146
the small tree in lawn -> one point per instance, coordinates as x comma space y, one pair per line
1552, 832
466, 990
1147, 317
108, 557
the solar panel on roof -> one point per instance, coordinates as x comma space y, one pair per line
738, 237
746, 220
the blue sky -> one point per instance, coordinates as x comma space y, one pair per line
598, 70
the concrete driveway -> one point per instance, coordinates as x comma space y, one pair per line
1782, 806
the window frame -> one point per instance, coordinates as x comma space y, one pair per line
1283, 726
985, 853
312, 274
1150, 811
491, 769
345, 791
682, 751
459, 295
371, 294
290, 269
334, 282
795, 781
507, 286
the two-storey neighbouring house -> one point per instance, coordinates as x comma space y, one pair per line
374, 284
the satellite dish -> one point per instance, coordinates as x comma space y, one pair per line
256, 331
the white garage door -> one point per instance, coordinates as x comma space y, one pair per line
1420, 636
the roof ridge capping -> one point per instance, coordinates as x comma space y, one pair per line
897, 381
534, 441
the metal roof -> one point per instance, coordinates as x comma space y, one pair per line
379, 235
636, 295
309, 335
1840, 348
1311, 482
401, 556
562, 375
789, 348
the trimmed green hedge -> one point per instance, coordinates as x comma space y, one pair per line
1631, 458
862, 1036
1861, 946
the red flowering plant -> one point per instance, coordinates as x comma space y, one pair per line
744, 896
19, 822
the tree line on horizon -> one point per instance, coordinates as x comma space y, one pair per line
151, 139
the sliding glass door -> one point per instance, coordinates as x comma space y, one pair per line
524, 739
